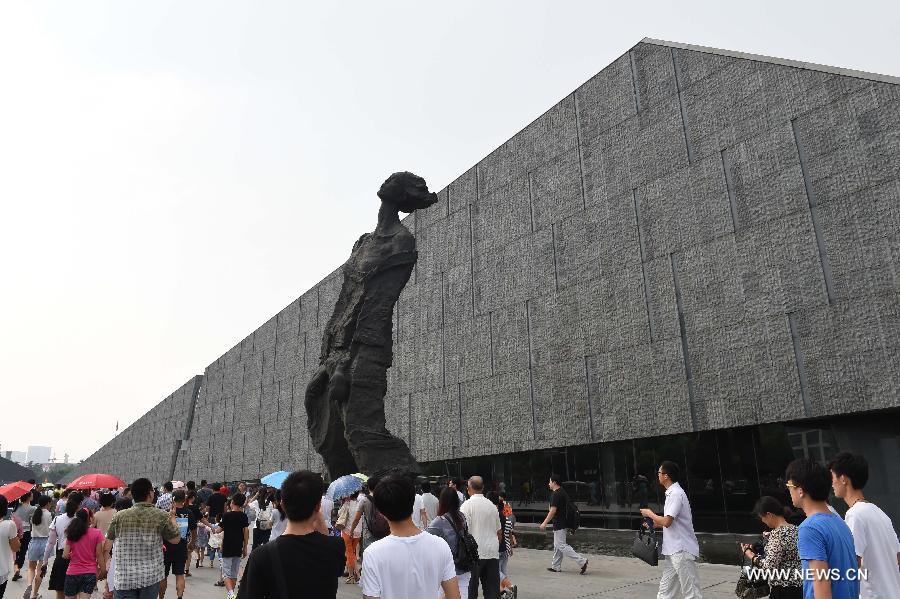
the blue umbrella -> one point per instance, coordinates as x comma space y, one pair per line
276, 479
344, 486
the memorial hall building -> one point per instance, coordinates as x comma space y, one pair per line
693, 256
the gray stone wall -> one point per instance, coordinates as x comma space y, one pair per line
149, 446
691, 240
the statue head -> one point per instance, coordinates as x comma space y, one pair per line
406, 191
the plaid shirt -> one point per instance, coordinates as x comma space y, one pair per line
140, 531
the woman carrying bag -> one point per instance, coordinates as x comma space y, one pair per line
450, 525
781, 554
262, 520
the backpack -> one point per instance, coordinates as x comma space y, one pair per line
466, 555
376, 523
573, 516
264, 518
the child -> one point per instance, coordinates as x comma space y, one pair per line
84, 550
215, 542
203, 537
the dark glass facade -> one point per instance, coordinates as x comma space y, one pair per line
723, 472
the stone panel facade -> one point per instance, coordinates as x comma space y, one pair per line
152, 445
693, 239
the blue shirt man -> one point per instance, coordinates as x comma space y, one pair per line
824, 541
827, 538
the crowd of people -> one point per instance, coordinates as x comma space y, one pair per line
824, 557
395, 540
128, 542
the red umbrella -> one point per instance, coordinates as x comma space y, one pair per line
13, 491
96, 481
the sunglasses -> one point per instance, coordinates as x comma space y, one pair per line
791, 486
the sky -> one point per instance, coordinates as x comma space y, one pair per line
174, 173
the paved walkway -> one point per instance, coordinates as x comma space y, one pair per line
607, 578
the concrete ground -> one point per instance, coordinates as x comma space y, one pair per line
607, 578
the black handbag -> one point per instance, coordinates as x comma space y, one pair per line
645, 545
750, 589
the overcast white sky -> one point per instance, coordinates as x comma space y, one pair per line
172, 174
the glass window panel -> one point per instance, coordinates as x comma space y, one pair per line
723, 472
585, 467
774, 451
740, 484
616, 476
541, 461
704, 482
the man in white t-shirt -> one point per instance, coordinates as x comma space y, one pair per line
483, 521
408, 563
429, 502
679, 546
327, 508
419, 517
9, 545
877, 547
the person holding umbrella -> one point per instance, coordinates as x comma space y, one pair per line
339, 488
351, 536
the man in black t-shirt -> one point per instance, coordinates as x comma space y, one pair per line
559, 507
308, 560
559, 499
236, 527
176, 554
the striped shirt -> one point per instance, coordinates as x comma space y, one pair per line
506, 523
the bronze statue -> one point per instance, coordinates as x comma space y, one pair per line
345, 398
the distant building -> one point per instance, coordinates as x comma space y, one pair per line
38, 454
16, 456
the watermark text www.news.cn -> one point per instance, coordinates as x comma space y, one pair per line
788, 574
